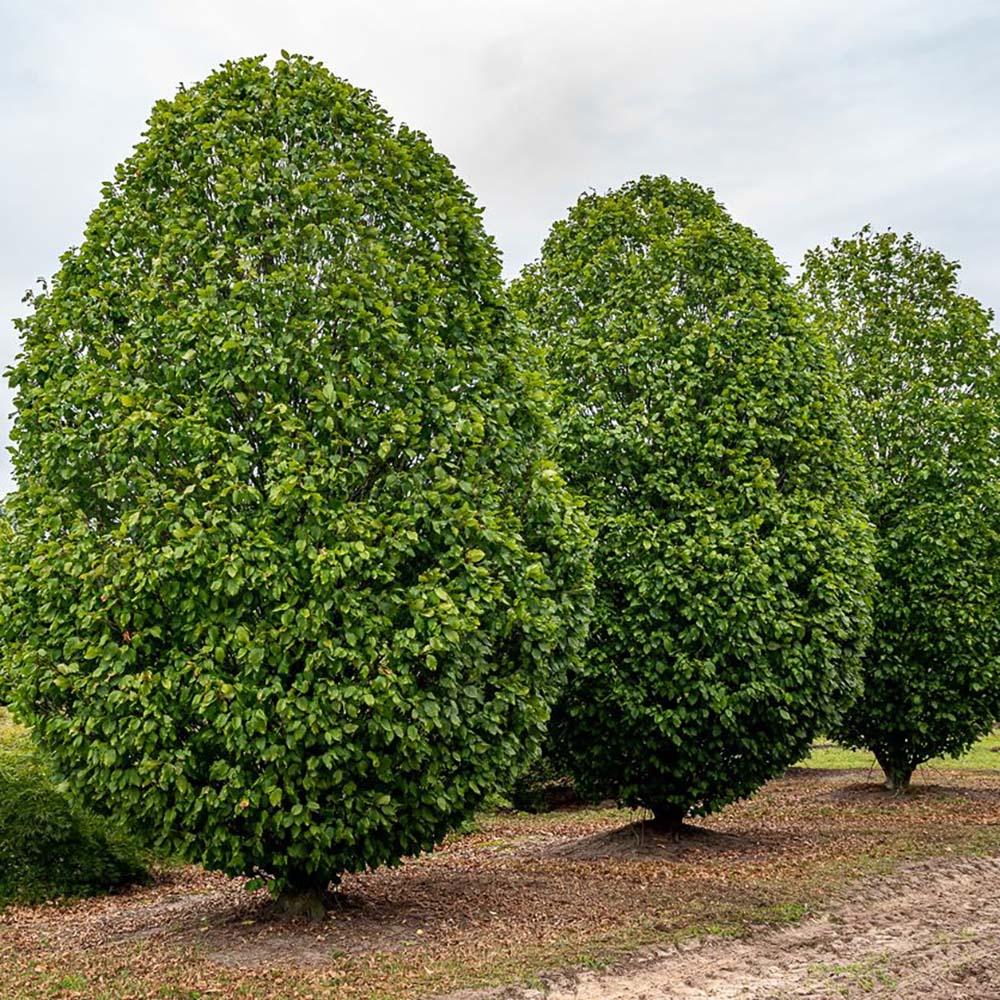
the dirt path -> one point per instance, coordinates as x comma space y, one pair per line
932, 932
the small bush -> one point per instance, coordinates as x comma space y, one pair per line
48, 846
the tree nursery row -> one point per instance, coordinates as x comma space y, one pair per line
323, 533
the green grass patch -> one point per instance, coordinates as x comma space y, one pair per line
984, 756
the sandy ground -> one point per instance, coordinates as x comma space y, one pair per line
932, 931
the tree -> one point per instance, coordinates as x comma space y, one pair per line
293, 581
922, 364
702, 419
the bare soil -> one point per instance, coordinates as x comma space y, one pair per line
641, 840
932, 932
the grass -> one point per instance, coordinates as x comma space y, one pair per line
867, 976
984, 756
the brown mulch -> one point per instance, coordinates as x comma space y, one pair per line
520, 895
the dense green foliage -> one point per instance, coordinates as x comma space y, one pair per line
6, 690
703, 420
49, 846
293, 582
922, 363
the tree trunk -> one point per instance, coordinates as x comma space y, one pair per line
897, 775
303, 896
667, 818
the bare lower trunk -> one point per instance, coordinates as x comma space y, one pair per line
897, 775
667, 818
304, 897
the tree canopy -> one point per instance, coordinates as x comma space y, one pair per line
702, 418
293, 582
922, 363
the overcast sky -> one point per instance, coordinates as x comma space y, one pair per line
807, 118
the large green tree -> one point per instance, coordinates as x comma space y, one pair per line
703, 420
923, 366
293, 581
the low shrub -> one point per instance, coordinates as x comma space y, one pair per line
48, 845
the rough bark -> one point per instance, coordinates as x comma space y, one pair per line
667, 818
304, 897
897, 775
